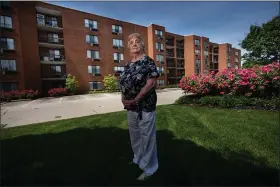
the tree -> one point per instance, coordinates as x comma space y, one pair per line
262, 43
110, 82
71, 83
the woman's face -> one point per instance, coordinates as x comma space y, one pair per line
135, 45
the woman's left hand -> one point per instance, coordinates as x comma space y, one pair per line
129, 102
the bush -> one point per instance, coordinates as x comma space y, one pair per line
259, 81
16, 94
57, 92
110, 82
103, 91
71, 84
230, 101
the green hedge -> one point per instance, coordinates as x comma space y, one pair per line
228, 101
103, 91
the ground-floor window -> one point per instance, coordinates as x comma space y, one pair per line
8, 86
95, 85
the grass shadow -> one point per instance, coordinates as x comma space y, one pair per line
100, 156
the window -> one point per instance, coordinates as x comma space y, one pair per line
236, 59
158, 32
6, 22
54, 54
8, 65
117, 43
8, 86
206, 61
53, 38
95, 85
160, 82
93, 54
197, 52
116, 29
236, 66
7, 43
118, 56
160, 58
40, 19
197, 70
118, 69
228, 65
56, 70
94, 69
5, 4
160, 69
51, 21
236, 53
205, 53
197, 62
159, 46
205, 44
91, 24
91, 39
196, 42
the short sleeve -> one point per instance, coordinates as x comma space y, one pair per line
152, 70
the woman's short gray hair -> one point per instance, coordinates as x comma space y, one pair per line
137, 35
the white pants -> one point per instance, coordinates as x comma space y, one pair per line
143, 140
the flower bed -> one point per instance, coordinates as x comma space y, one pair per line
16, 94
259, 81
57, 92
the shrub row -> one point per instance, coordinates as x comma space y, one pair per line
230, 101
259, 81
103, 91
58, 92
16, 94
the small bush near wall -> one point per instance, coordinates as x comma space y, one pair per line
57, 92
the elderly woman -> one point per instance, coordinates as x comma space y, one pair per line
137, 83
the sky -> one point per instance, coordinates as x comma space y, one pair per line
221, 22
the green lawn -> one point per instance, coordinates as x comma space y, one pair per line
196, 146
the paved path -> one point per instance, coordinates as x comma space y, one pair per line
49, 109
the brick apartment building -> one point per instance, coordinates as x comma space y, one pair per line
41, 43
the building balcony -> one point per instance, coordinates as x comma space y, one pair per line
51, 42
53, 77
53, 72
52, 59
49, 20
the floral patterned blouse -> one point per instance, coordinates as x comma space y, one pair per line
134, 78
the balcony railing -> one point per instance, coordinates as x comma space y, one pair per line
52, 40
52, 57
6, 25
48, 22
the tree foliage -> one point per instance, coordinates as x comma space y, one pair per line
262, 43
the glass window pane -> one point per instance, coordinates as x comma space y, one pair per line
88, 53
10, 43
89, 69
121, 56
87, 38
8, 22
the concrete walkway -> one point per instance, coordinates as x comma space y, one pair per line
50, 109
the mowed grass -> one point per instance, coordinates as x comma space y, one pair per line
196, 146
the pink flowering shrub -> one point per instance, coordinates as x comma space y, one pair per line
259, 81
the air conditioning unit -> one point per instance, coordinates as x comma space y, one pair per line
92, 44
93, 74
92, 59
